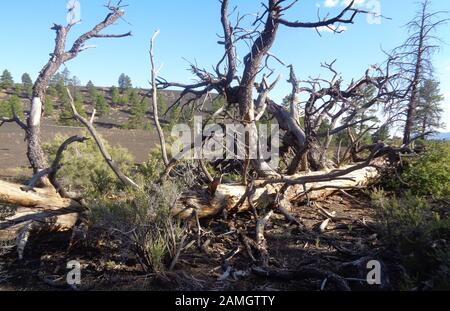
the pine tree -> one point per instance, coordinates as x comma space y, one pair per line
90, 84
66, 114
79, 105
137, 112
51, 91
93, 93
74, 83
101, 105
60, 86
4, 109
125, 83
49, 106
162, 104
65, 74
27, 85
12, 106
6, 80
18, 89
429, 108
115, 95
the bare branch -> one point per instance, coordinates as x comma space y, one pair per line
162, 139
120, 175
327, 22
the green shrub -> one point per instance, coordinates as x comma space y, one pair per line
10, 106
143, 224
84, 169
429, 173
49, 107
418, 234
66, 116
101, 105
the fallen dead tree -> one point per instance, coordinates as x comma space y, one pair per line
232, 198
41, 206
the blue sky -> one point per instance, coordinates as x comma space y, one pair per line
188, 30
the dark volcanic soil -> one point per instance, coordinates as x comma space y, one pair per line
13, 147
344, 249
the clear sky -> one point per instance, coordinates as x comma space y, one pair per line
189, 30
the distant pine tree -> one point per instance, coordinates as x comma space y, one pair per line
93, 93
101, 105
10, 106
115, 95
27, 85
6, 80
125, 83
429, 109
49, 106
139, 108
18, 89
66, 115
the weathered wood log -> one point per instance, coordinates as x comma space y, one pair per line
42, 206
229, 196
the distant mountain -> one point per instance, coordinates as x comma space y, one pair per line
441, 136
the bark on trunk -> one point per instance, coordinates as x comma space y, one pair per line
43, 206
415, 86
227, 196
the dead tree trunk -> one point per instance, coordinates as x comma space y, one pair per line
47, 206
413, 60
59, 56
296, 188
42, 206
415, 85
240, 90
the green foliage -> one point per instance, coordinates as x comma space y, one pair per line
93, 93
27, 85
59, 84
84, 169
65, 75
124, 100
52, 91
429, 173
143, 225
18, 90
429, 110
73, 85
175, 118
425, 174
162, 104
101, 105
6, 80
115, 95
49, 106
125, 83
10, 106
138, 111
150, 171
142, 220
66, 114
418, 234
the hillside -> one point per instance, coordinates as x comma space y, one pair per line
117, 116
